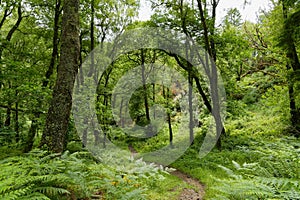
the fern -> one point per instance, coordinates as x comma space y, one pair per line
280, 182
40, 175
244, 189
51, 191
245, 183
34, 196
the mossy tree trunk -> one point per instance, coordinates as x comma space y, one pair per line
57, 121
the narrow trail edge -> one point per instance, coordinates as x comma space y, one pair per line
188, 193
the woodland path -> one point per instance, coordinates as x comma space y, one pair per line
188, 193
196, 193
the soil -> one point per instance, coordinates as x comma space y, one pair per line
188, 193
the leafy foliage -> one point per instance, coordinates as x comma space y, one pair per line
267, 178
40, 175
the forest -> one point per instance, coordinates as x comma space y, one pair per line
98, 104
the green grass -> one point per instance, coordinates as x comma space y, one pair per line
170, 188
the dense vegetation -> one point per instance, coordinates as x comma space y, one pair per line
46, 59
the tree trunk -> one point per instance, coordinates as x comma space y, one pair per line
1, 122
8, 116
80, 77
7, 122
55, 42
57, 121
293, 64
153, 99
169, 118
191, 116
31, 135
145, 87
17, 119
92, 44
6, 13
122, 120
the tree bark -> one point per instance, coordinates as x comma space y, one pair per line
8, 116
169, 119
17, 119
55, 132
5, 15
294, 65
153, 99
92, 44
31, 135
146, 104
191, 116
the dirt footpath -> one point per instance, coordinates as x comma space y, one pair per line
187, 193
